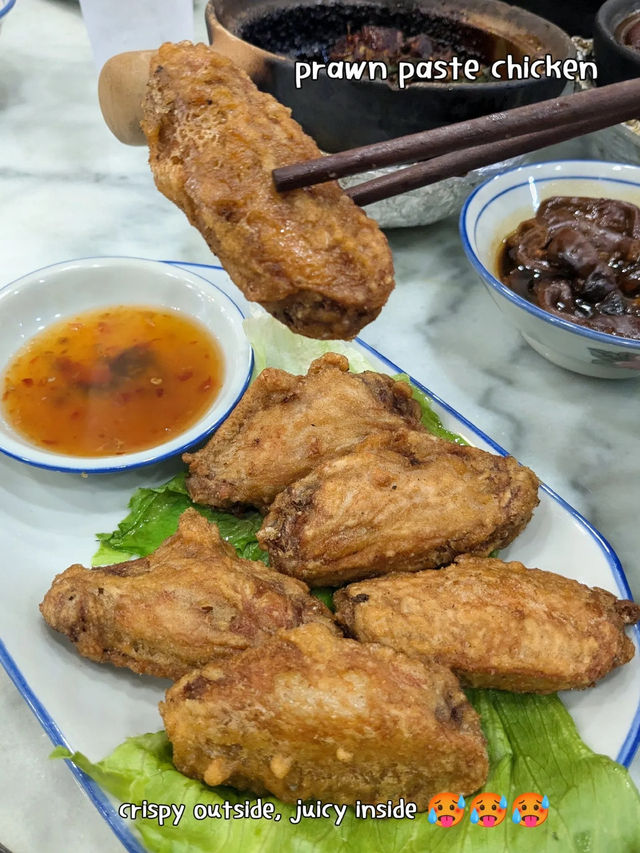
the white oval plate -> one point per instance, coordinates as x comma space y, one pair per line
51, 520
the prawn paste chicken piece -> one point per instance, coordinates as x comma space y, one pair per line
311, 257
311, 715
191, 601
400, 502
286, 425
495, 624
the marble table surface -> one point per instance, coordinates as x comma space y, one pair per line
69, 189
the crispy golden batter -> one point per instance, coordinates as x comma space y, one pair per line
311, 257
310, 715
396, 503
286, 425
192, 600
495, 624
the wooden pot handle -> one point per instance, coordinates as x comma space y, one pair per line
121, 89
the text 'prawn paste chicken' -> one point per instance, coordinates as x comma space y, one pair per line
495, 624
579, 259
286, 425
193, 600
311, 715
311, 256
400, 502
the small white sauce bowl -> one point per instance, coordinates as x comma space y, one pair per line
44, 297
496, 208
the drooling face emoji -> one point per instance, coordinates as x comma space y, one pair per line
488, 809
530, 809
446, 809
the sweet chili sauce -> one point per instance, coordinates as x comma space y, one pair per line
112, 381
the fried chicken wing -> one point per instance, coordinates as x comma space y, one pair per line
495, 624
396, 503
286, 425
192, 600
309, 714
311, 257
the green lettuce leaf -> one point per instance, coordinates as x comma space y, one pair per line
430, 419
533, 746
153, 517
274, 345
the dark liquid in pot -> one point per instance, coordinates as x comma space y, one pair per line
311, 32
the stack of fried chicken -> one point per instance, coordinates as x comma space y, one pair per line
274, 692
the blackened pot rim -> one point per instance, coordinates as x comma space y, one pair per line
607, 23
479, 88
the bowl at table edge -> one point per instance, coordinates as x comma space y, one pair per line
496, 208
35, 301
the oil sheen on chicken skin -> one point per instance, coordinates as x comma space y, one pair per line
192, 600
398, 502
311, 715
311, 257
285, 425
495, 624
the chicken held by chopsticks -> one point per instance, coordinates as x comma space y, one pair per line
189, 602
284, 426
495, 624
401, 502
311, 715
311, 257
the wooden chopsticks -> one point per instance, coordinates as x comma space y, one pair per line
458, 148
463, 161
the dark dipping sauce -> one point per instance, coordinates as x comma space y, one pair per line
579, 259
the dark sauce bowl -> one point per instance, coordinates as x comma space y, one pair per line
265, 37
496, 208
615, 59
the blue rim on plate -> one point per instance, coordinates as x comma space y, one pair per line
95, 793
6, 8
489, 278
100, 799
113, 469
